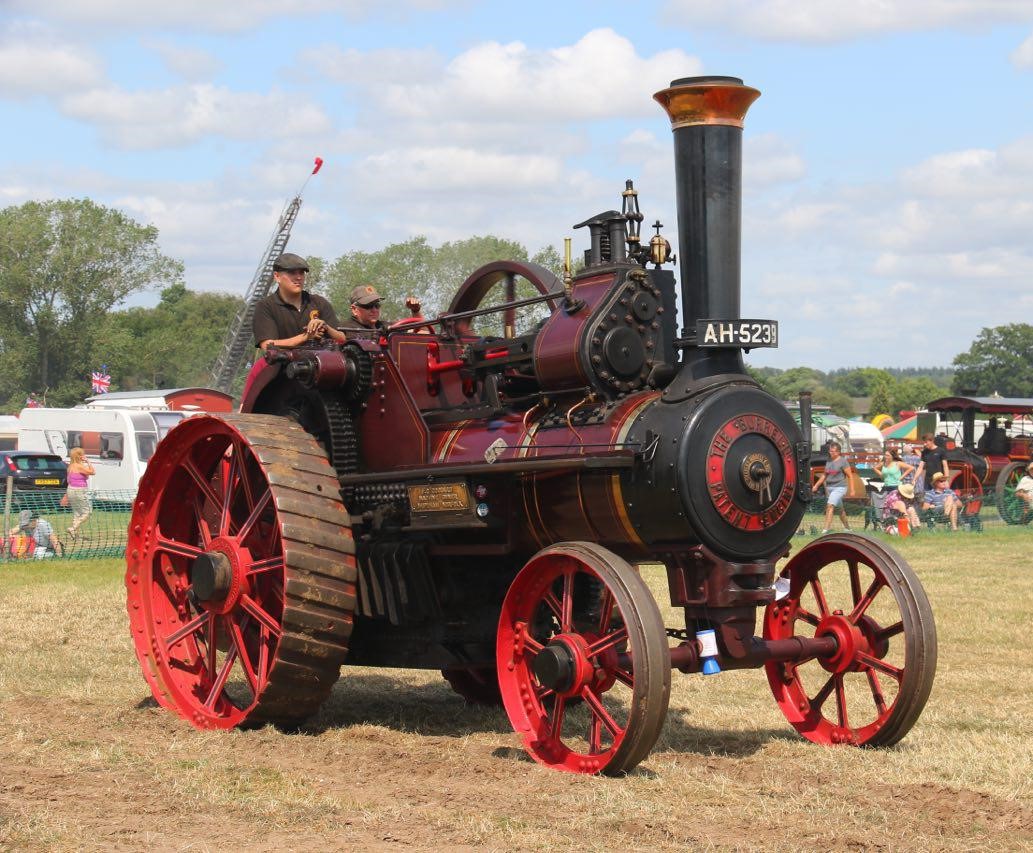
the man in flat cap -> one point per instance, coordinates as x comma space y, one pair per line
291, 315
365, 305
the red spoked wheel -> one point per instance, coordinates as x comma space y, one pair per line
965, 482
1010, 506
477, 685
862, 593
240, 572
583, 662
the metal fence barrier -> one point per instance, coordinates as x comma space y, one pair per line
101, 534
978, 512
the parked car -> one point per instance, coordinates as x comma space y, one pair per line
40, 476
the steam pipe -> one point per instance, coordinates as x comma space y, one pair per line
805, 419
707, 116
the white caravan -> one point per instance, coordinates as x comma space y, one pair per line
865, 438
8, 432
117, 441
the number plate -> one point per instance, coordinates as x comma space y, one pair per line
47, 482
737, 333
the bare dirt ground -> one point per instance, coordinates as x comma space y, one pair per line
396, 760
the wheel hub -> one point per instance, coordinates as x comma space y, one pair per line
217, 576
564, 665
212, 576
554, 667
849, 639
871, 630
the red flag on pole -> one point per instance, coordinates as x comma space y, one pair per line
319, 165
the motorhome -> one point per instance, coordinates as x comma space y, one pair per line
8, 432
118, 442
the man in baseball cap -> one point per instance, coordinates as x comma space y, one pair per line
365, 305
41, 531
291, 316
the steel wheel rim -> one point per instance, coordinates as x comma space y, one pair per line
1012, 509
610, 714
886, 663
226, 631
964, 482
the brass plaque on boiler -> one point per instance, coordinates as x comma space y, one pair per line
439, 497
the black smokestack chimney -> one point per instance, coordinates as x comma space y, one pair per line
707, 116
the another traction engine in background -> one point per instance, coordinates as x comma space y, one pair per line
427, 498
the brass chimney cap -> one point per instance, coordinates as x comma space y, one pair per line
706, 100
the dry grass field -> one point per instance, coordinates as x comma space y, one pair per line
395, 759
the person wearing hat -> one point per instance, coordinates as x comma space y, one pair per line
901, 502
942, 500
365, 306
40, 531
291, 316
1024, 488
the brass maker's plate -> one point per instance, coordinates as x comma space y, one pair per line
439, 497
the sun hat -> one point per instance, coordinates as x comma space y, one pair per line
907, 491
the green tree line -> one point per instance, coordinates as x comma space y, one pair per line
68, 266
838, 389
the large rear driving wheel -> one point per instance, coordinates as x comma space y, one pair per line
240, 572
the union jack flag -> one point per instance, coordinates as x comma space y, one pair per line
101, 381
32, 403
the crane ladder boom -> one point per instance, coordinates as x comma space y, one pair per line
238, 339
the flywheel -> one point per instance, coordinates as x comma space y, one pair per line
240, 572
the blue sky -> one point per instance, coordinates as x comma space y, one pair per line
888, 207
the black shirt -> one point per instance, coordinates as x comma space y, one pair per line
276, 320
933, 460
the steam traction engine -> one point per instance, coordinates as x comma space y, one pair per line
427, 498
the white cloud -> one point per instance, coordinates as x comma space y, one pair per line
951, 234
823, 21
370, 69
33, 64
207, 16
769, 160
185, 114
600, 76
190, 63
404, 172
1022, 56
